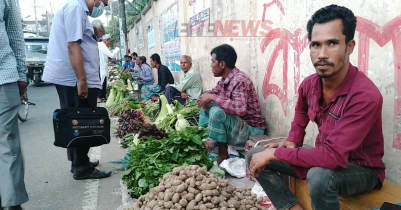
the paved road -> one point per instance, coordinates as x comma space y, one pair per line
48, 180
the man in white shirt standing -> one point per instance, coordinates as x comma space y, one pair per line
104, 54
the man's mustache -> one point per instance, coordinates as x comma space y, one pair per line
321, 62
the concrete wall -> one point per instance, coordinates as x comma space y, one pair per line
279, 61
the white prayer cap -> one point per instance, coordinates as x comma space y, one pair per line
106, 36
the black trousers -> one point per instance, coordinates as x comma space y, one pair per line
172, 93
79, 158
102, 93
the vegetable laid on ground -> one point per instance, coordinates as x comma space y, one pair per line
192, 187
152, 158
130, 121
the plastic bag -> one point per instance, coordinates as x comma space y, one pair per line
259, 192
235, 167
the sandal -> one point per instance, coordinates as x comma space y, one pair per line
93, 164
95, 175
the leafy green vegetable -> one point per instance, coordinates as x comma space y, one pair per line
151, 111
217, 171
151, 159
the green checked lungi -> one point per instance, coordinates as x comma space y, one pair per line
226, 128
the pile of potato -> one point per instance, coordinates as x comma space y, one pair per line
193, 188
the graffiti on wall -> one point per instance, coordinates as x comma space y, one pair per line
298, 42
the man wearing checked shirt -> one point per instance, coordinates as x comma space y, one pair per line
12, 86
231, 110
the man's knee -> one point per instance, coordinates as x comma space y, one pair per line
320, 180
217, 113
251, 153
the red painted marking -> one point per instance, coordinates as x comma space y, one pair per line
277, 2
299, 45
391, 31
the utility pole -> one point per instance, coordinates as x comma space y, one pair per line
123, 26
36, 19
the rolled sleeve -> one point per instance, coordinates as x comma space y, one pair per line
16, 37
74, 20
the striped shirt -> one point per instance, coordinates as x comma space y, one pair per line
12, 47
350, 126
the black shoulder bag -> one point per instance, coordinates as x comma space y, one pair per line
81, 126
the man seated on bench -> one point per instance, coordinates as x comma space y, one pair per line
190, 86
231, 110
346, 106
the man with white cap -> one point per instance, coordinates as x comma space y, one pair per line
104, 54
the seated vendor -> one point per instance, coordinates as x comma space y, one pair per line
190, 86
231, 110
347, 109
145, 75
128, 65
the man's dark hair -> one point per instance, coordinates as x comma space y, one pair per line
135, 54
332, 12
156, 57
128, 56
225, 53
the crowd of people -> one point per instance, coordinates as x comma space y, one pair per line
340, 99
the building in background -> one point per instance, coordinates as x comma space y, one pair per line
44, 25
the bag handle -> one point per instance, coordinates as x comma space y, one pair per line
79, 103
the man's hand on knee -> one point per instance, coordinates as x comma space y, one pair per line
260, 160
283, 144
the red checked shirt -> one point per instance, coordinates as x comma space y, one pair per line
350, 126
236, 95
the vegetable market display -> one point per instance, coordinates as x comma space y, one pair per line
168, 161
151, 159
192, 187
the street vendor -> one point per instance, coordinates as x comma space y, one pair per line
145, 75
146, 80
164, 75
104, 54
190, 86
128, 65
231, 110
347, 108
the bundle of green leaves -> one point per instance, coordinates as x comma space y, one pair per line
151, 159
151, 111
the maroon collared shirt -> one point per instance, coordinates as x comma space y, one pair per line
236, 95
350, 126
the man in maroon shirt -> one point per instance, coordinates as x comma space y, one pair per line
346, 106
231, 110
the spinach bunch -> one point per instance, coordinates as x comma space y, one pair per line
151, 159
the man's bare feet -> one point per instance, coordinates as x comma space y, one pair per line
223, 152
296, 207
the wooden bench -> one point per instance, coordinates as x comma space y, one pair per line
389, 193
